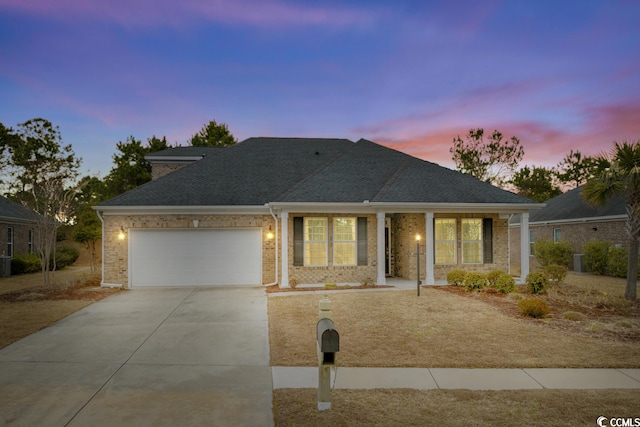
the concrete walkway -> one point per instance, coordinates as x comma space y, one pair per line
448, 378
148, 357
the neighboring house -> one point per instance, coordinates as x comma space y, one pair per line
17, 229
568, 217
172, 159
278, 210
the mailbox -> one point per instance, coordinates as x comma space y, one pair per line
328, 341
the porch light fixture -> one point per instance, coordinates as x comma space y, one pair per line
269, 234
195, 223
121, 234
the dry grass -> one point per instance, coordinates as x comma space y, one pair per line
443, 329
68, 277
297, 407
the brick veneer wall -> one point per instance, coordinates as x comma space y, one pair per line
405, 227
161, 169
116, 257
577, 234
330, 273
20, 237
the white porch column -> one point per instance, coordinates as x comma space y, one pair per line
524, 245
429, 247
381, 280
284, 226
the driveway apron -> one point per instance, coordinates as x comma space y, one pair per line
148, 357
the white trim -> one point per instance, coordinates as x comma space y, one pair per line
524, 246
284, 219
150, 210
380, 225
429, 249
611, 218
396, 207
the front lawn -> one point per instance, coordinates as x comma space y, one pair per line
444, 329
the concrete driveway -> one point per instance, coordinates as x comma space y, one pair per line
148, 357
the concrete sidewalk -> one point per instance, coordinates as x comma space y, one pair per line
449, 378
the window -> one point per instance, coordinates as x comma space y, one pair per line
471, 241
30, 241
10, 241
556, 235
344, 241
315, 241
445, 241
532, 240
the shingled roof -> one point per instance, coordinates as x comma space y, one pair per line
13, 211
298, 170
570, 206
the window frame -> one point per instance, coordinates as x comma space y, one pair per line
557, 235
352, 242
30, 243
10, 237
479, 242
307, 242
436, 241
532, 240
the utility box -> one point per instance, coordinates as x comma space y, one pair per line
578, 263
5, 266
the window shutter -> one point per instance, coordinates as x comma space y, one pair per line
362, 241
298, 241
487, 240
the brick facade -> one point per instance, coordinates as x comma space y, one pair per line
406, 226
116, 256
159, 169
20, 238
336, 274
402, 248
576, 233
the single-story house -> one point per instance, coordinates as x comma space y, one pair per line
17, 231
303, 210
569, 218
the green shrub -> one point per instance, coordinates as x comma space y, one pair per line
505, 283
617, 262
474, 281
556, 273
25, 263
596, 254
537, 282
456, 277
533, 307
548, 253
493, 275
65, 256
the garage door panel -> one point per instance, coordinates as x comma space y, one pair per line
198, 257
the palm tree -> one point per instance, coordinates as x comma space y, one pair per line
622, 179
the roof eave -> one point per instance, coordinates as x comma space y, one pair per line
183, 210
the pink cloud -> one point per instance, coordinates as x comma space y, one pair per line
171, 13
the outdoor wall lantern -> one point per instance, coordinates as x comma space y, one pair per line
269, 234
195, 223
121, 234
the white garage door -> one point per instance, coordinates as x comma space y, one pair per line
195, 257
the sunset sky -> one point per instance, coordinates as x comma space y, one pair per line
411, 75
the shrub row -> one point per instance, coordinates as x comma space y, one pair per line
30, 263
473, 281
602, 258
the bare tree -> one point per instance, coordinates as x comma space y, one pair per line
42, 174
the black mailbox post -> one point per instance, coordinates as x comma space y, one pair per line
328, 342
